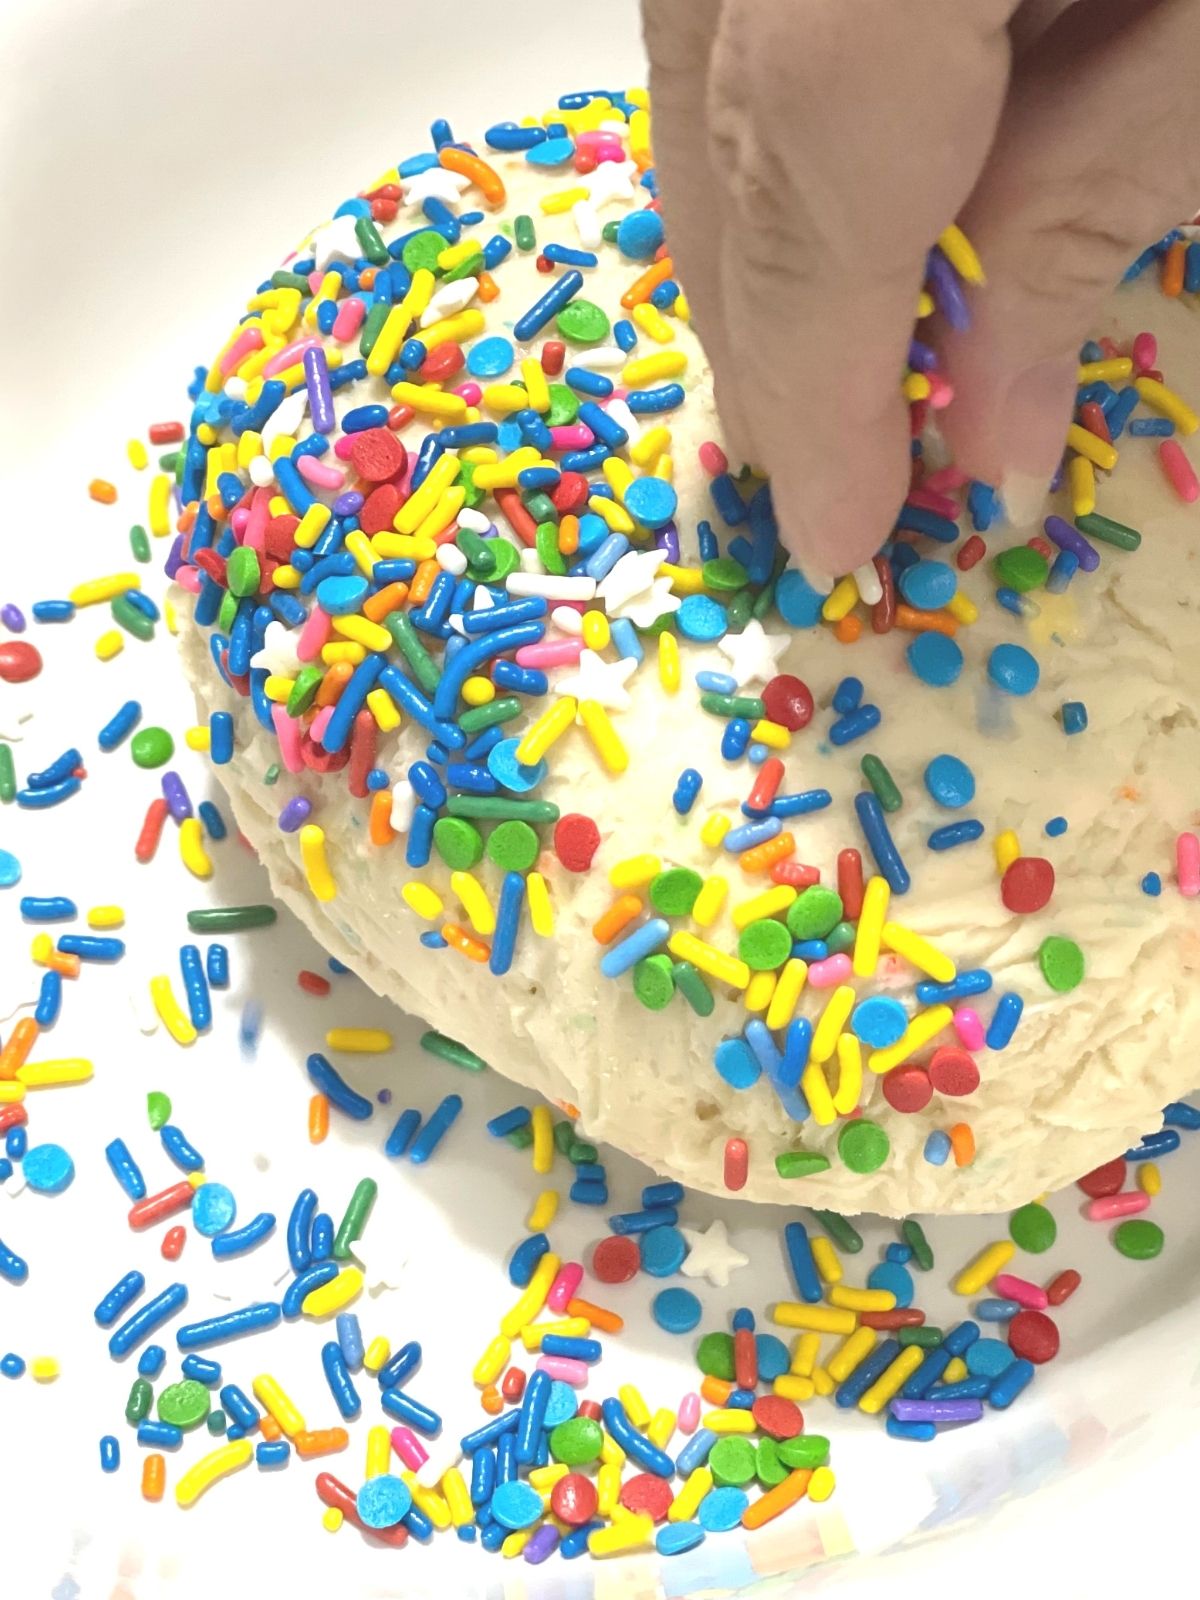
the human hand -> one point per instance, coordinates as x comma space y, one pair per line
810, 152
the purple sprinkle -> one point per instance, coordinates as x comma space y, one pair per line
667, 539
174, 556
348, 504
384, 1097
947, 291
920, 357
543, 1544
1060, 472
320, 395
176, 796
937, 1410
295, 814
1061, 533
13, 618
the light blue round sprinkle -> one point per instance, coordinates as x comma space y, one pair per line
935, 659
47, 1168
950, 781
663, 1250
511, 773
673, 1538
797, 602
900, 1253
929, 585
890, 1275
213, 1209
735, 1061
516, 1505
937, 1148
639, 234
773, 1357
562, 1404
702, 619
1013, 669
550, 153
721, 1509
491, 357
676, 1310
651, 501
340, 597
987, 1358
10, 869
383, 1501
879, 1021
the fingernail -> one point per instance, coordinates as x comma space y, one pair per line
1035, 417
1024, 496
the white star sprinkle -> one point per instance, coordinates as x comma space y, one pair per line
436, 184
612, 180
753, 653
278, 652
710, 1254
597, 679
632, 575
452, 298
335, 240
658, 601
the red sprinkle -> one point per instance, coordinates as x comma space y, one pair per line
789, 702
737, 1164
745, 1359
576, 840
19, 661
1104, 1180
333, 1492
590, 1408
952, 1071
907, 1088
554, 353
312, 982
378, 509
616, 1259
152, 827
883, 612
12, 1116
971, 554
850, 883
1033, 1336
781, 1418
513, 1386
766, 784
154, 1207
377, 455
796, 874
1063, 1286
573, 1499
1027, 885
165, 432
442, 362
1093, 419
888, 1320
173, 1242
647, 1492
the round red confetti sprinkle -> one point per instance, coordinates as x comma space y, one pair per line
377, 454
1063, 1286
573, 1499
788, 702
278, 538
1105, 1180
443, 361
1033, 1336
570, 493
616, 1259
19, 661
907, 1088
781, 1418
513, 1386
378, 509
576, 840
952, 1071
312, 982
1028, 884
173, 1243
647, 1492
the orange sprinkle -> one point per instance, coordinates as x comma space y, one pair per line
925, 621
390, 598
418, 591
768, 1506
100, 488
762, 857
485, 178
599, 1316
962, 1142
318, 1119
66, 965
619, 915
847, 630
568, 535
20, 1043
715, 1390
491, 1401
154, 1477
488, 289
640, 290
366, 278
269, 1428
459, 939
320, 1442
1172, 269
380, 824
215, 507
186, 520
335, 680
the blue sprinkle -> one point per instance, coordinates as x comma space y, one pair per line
1004, 1021
937, 1148
1056, 827
891, 1275
797, 602
651, 501
935, 659
736, 1063
879, 1021
950, 782
955, 833
702, 619
213, 1209
550, 153
1013, 669
929, 585
1074, 716
663, 1251
721, 1509
639, 234
988, 1358
48, 1169
491, 357
1152, 884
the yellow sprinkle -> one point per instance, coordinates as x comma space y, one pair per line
771, 734
823, 1482
541, 912
1087, 444
537, 389
191, 848
962, 608
270, 1394
406, 546
805, 1349
281, 445
651, 444
474, 897
467, 324
649, 369
714, 830
331, 1297
710, 960
105, 917
734, 1421
359, 1041
1168, 404
606, 741
787, 991
924, 305
918, 952
1007, 847
12, 1092
311, 526
135, 452
850, 1074
831, 1022
842, 601
759, 991
608, 1487
822, 1383
916, 386
1110, 370
98, 590
422, 501
634, 871
596, 631
110, 644
826, 1260
980, 1272
686, 1503
1081, 478
43, 1369
1149, 1178
170, 1014
852, 1299
249, 447
545, 1208
376, 1354
814, 1319
542, 1149
662, 1426
815, 1088
851, 1354
383, 708
316, 866
684, 580
379, 1452
711, 898
876, 896
615, 517
565, 1327
926, 1025
478, 691
546, 730
791, 1386
652, 322
504, 474
359, 546
636, 1408
160, 505
169, 616
961, 254
200, 737
426, 902
515, 1543
533, 1297
618, 475
560, 200
287, 577
332, 1518
771, 903
458, 1497
345, 650
216, 1464
492, 1362
52, 1074
668, 662
363, 631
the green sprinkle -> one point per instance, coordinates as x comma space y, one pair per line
150, 747
283, 279
506, 559
372, 244
513, 846
230, 919
654, 982
764, 945
609, 232
478, 551
354, 1219
674, 892
863, 1146
520, 1138
1021, 568
714, 1355
466, 477
814, 912
583, 322
546, 545
806, 1450
841, 1230
524, 232
1033, 1228
421, 664
689, 980
158, 1109
8, 773
458, 843
437, 1044
582, 1151
1138, 1239
739, 611
882, 782
576, 1442
542, 509
841, 938
724, 573
422, 250
800, 1163
913, 1235
372, 326
135, 622
139, 542
1061, 961
242, 571
494, 808
141, 1397
304, 690
924, 1336
1108, 531
763, 601
564, 1136
564, 406
184, 1404
271, 775
227, 611
731, 1461
768, 1468
217, 1422
502, 709
732, 705
465, 268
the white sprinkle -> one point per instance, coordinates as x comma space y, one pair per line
468, 517
604, 358
870, 590
548, 587
235, 387
567, 620
286, 418
451, 559
619, 411
587, 224
262, 473
404, 803
449, 299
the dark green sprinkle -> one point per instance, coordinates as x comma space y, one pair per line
520, 1138
689, 980
524, 232
840, 938
542, 509
927, 1338
502, 709
217, 1422
800, 1163
654, 982
271, 775
437, 1044
1108, 531
546, 545
373, 246
371, 327
354, 1219
609, 232
913, 1235
478, 551
139, 542
8, 775
421, 664
882, 782
763, 601
582, 1151
303, 691
841, 1230
170, 461
564, 1135
230, 919
289, 280
132, 620
732, 705
505, 559
739, 611
494, 808
141, 1397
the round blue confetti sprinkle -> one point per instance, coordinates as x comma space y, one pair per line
879, 1021
340, 597
490, 358
47, 1168
651, 501
513, 774
639, 234
676, 1310
935, 659
987, 1358
797, 602
773, 1357
721, 1509
929, 585
383, 1501
550, 153
10, 869
674, 1538
213, 1209
1013, 669
1056, 827
890, 1275
735, 1061
562, 1404
11, 1365
663, 1250
937, 1148
516, 1504
1152, 884
702, 619
950, 781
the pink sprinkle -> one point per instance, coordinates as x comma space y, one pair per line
712, 458
343, 446
930, 500
1126, 1204
1021, 1290
246, 343
1144, 352
290, 354
238, 518
829, 973
941, 391
319, 474
1187, 864
688, 1415
287, 731
319, 723
945, 478
565, 1368
349, 318
1181, 474
969, 1028
550, 653
314, 635
188, 578
409, 1448
565, 1285
471, 393
256, 522
574, 436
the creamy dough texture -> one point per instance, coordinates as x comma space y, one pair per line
1087, 1072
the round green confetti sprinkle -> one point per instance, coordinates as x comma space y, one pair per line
423, 250
673, 892
1021, 568
242, 571
714, 1356
1138, 1239
185, 1403
814, 912
513, 846
724, 574
304, 689
768, 1468
863, 1146
654, 982
841, 1230
731, 1461
764, 945
583, 322
800, 1163
546, 545
458, 842
505, 559
577, 1441
913, 1235
564, 406
1061, 961
158, 1109
805, 1450
150, 747
1032, 1228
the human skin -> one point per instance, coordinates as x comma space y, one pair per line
809, 152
